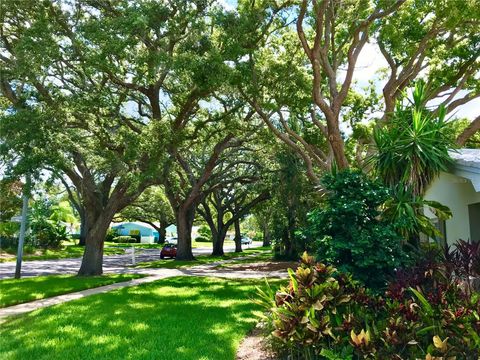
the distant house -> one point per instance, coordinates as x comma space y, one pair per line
148, 233
459, 189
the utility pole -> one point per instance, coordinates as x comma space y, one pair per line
23, 227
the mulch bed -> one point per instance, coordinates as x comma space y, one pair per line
254, 347
265, 266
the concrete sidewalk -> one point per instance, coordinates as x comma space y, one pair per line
152, 275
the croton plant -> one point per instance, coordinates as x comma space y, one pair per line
324, 314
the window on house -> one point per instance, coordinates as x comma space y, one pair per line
474, 220
440, 225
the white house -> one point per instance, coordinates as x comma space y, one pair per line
459, 189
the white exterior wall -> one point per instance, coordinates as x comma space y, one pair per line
456, 193
147, 239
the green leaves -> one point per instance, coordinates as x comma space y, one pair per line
349, 231
413, 147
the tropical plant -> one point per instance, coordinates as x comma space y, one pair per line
466, 260
349, 232
413, 146
324, 314
45, 231
405, 211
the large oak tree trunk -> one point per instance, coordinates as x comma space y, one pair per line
92, 260
266, 235
83, 229
162, 233
218, 242
238, 236
185, 219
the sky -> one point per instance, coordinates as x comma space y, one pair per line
369, 63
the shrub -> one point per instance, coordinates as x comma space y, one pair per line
111, 234
349, 232
47, 233
258, 236
435, 268
466, 261
205, 231
136, 235
202, 239
324, 314
124, 239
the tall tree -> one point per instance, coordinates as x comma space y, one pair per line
109, 88
434, 40
239, 187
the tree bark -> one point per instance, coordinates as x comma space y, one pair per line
185, 219
238, 236
162, 233
83, 229
93, 255
469, 132
218, 242
266, 235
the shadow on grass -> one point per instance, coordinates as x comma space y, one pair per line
177, 318
17, 291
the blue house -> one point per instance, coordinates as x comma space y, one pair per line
147, 232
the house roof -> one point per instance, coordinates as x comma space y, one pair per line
467, 157
467, 165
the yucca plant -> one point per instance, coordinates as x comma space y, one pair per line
413, 147
404, 211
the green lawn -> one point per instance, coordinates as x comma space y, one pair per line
200, 260
69, 251
13, 291
172, 319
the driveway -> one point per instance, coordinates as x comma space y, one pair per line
111, 264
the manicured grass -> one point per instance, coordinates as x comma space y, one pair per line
200, 260
179, 318
69, 251
17, 291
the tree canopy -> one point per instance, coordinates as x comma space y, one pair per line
156, 110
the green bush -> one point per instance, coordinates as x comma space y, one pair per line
124, 239
324, 314
258, 236
202, 239
111, 234
205, 231
136, 235
349, 232
48, 234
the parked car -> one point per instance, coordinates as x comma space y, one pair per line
246, 240
168, 250
171, 240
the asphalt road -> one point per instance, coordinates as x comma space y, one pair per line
111, 264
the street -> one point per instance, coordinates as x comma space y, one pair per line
111, 264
